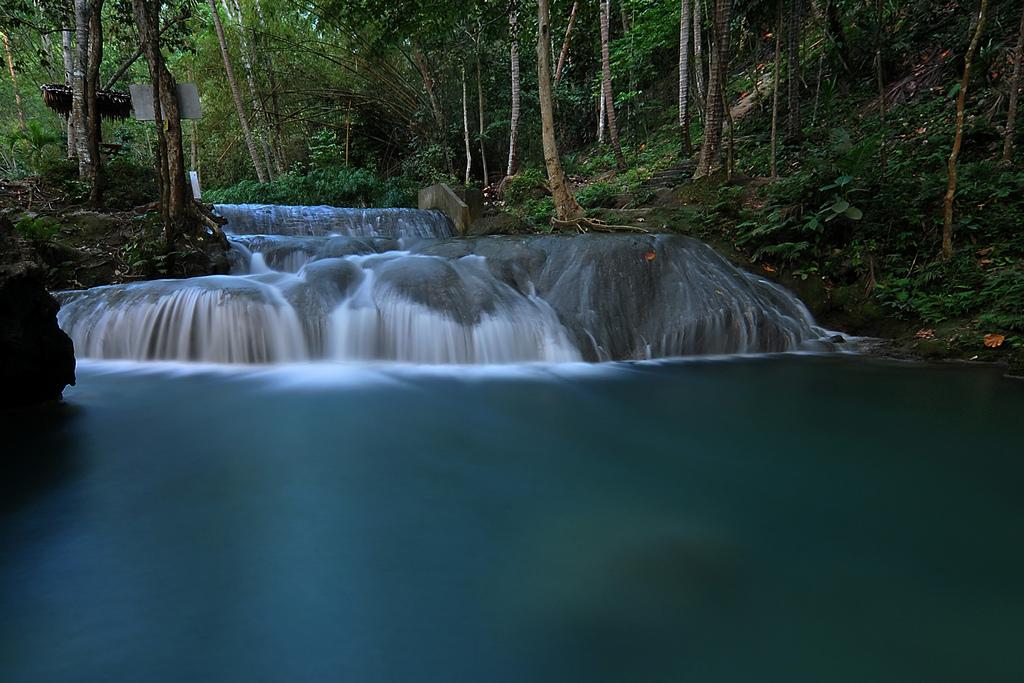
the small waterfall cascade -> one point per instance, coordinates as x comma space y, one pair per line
315, 283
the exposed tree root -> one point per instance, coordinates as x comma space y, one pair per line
596, 225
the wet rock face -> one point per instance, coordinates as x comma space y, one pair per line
37, 360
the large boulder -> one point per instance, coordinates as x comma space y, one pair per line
37, 360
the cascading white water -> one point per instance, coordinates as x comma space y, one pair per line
400, 289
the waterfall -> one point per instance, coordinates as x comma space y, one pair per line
272, 219
389, 285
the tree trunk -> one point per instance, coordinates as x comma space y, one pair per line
1011, 113
710, 148
435, 106
14, 79
235, 94
627, 26
513, 133
606, 76
566, 207
834, 33
88, 56
260, 115
480, 109
793, 35
564, 53
465, 127
684, 73
275, 102
600, 114
883, 158
698, 52
69, 72
775, 90
176, 203
961, 101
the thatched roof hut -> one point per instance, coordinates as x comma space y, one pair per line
113, 104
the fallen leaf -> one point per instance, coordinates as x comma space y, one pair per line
994, 341
768, 268
925, 334
985, 252
650, 256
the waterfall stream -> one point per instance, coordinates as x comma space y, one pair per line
311, 283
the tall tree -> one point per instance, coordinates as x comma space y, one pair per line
480, 111
236, 95
176, 204
513, 134
698, 52
775, 90
564, 53
961, 101
69, 75
685, 32
606, 77
465, 127
1011, 112
14, 78
567, 209
260, 114
714, 109
85, 83
793, 35
883, 155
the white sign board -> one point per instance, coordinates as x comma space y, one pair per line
142, 101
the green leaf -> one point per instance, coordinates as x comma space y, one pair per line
853, 213
840, 206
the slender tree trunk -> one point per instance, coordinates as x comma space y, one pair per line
564, 53
606, 75
480, 110
961, 102
435, 106
1011, 112
176, 206
275, 101
698, 52
14, 79
88, 56
627, 25
834, 33
600, 114
775, 90
566, 207
710, 148
685, 31
235, 94
513, 134
69, 73
465, 127
883, 156
260, 115
793, 124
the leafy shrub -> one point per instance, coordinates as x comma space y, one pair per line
344, 187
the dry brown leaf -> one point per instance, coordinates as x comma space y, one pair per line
650, 256
768, 268
925, 334
994, 341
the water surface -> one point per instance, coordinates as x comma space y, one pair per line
788, 518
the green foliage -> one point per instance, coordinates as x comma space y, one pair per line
37, 229
328, 186
30, 147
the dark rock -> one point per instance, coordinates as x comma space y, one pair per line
37, 360
837, 339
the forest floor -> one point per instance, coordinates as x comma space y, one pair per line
80, 247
